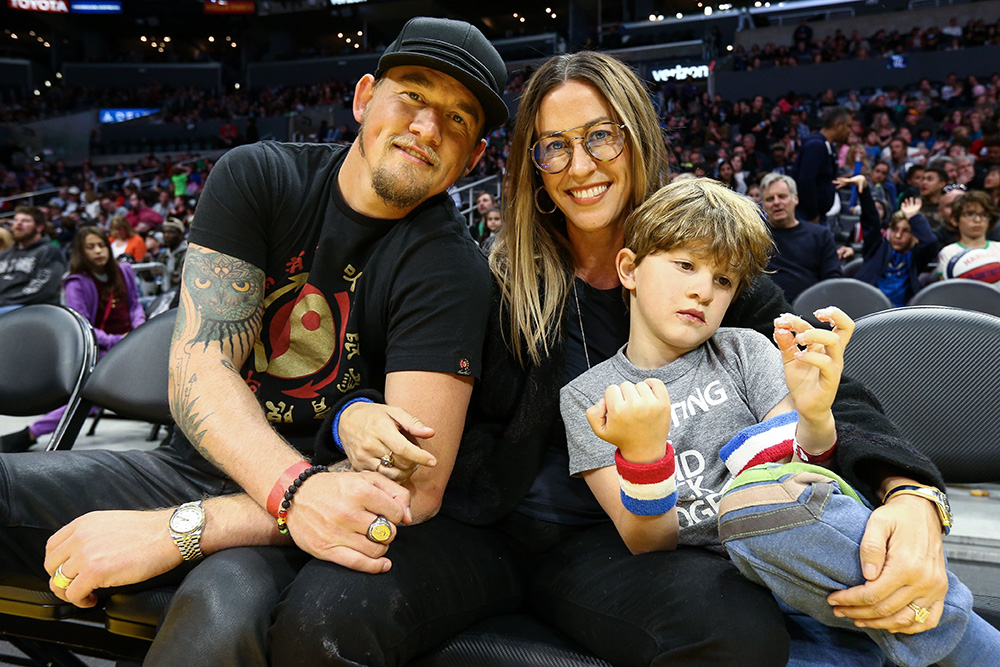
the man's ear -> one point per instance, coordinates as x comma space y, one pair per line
626, 264
363, 93
475, 156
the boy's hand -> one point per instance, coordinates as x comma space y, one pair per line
856, 180
635, 418
911, 206
813, 374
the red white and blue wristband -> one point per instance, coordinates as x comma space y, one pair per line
767, 442
336, 420
647, 489
806, 457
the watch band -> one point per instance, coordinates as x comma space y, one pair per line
189, 543
931, 493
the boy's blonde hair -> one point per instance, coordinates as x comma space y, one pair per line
700, 211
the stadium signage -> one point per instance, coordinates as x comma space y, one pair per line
51, 6
229, 7
680, 72
122, 115
96, 6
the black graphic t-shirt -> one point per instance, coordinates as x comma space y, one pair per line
347, 298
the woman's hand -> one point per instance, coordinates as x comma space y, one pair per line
635, 418
813, 374
902, 558
373, 434
856, 180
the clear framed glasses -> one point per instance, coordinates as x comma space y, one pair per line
975, 215
954, 186
603, 141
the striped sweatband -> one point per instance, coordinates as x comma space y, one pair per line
648, 489
767, 442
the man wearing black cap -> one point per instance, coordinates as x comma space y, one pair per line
311, 272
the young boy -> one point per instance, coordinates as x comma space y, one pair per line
975, 216
689, 250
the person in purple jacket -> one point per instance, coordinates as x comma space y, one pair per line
103, 291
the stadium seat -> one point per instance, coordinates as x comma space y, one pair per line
854, 297
933, 369
960, 293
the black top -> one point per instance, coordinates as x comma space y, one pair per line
347, 298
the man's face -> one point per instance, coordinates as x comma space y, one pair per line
898, 150
931, 184
842, 130
779, 205
484, 203
419, 133
952, 170
24, 230
945, 203
134, 202
993, 154
171, 237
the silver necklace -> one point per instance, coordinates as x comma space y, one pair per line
579, 316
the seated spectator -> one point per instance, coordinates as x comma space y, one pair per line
804, 254
172, 255
31, 269
882, 189
975, 215
484, 202
124, 241
893, 258
948, 232
726, 174
140, 216
991, 184
494, 222
103, 291
898, 160
162, 207
932, 185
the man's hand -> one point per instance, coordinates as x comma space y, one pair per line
845, 252
911, 206
330, 515
110, 548
902, 557
370, 431
635, 418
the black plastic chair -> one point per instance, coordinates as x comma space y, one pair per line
960, 293
132, 380
934, 370
854, 297
48, 352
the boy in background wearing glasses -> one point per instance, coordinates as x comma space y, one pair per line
974, 215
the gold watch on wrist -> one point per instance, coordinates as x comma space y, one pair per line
931, 493
185, 526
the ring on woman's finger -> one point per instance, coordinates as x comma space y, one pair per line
60, 580
920, 614
380, 530
386, 460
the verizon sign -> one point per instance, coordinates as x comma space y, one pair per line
51, 6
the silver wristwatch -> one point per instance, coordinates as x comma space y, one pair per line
186, 524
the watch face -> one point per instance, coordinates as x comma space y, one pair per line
185, 520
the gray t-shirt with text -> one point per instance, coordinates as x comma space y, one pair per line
727, 384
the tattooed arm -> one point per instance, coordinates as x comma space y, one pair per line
218, 321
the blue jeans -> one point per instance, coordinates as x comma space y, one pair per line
797, 530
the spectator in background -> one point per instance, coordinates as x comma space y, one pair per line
991, 184
179, 179
494, 222
932, 185
804, 254
882, 189
31, 269
6, 238
484, 203
103, 291
228, 134
162, 207
974, 215
140, 216
816, 166
124, 240
899, 163
893, 261
172, 255
948, 232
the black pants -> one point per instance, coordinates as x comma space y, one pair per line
249, 606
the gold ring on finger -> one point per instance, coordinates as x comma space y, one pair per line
380, 530
386, 460
60, 580
920, 614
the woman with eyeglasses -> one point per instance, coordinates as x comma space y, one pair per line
587, 150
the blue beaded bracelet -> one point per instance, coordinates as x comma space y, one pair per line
336, 420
